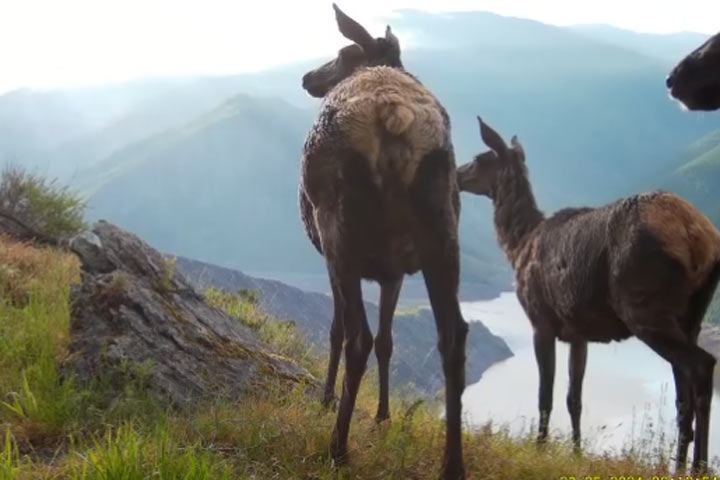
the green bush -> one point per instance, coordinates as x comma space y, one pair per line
41, 203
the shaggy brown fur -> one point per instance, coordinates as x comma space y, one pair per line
379, 199
684, 234
695, 81
377, 101
645, 266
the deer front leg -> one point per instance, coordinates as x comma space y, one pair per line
544, 343
576, 367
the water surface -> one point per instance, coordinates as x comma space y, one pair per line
628, 389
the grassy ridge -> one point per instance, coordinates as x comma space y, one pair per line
53, 428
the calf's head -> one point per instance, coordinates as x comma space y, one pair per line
483, 175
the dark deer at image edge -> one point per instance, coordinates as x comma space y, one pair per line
695, 81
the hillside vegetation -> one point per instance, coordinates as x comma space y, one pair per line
55, 428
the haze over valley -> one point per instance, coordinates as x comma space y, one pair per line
207, 167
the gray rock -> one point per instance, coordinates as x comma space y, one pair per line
134, 308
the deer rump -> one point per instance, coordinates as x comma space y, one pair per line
391, 119
362, 162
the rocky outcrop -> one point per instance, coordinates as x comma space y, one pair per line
133, 309
415, 359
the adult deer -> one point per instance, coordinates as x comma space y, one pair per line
379, 199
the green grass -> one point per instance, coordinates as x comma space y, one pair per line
285, 338
54, 428
33, 338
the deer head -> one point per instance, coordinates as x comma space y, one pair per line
481, 175
695, 81
364, 51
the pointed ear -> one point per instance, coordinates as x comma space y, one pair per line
518, 147
352, 30
391, 38
492, 139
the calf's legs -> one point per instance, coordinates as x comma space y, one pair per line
544, 344
576, 367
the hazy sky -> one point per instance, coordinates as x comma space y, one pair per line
46, 43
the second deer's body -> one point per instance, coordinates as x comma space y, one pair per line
644, 266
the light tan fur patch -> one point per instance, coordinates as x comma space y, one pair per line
397, 117
685, 233
389, 117
523, 259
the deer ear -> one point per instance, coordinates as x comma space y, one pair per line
492, 139
352, 30
518, 147
391, 38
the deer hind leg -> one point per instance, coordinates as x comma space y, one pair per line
702, 396
685, 395
337, 335
696, 366
389, 293
358, 344
435, 198
576, 367
685, 415
347, 294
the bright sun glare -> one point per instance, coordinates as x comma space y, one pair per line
45, 43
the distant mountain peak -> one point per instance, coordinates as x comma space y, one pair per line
666, 47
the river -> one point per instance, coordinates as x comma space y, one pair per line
628, 393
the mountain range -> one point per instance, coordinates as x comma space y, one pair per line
208, 167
